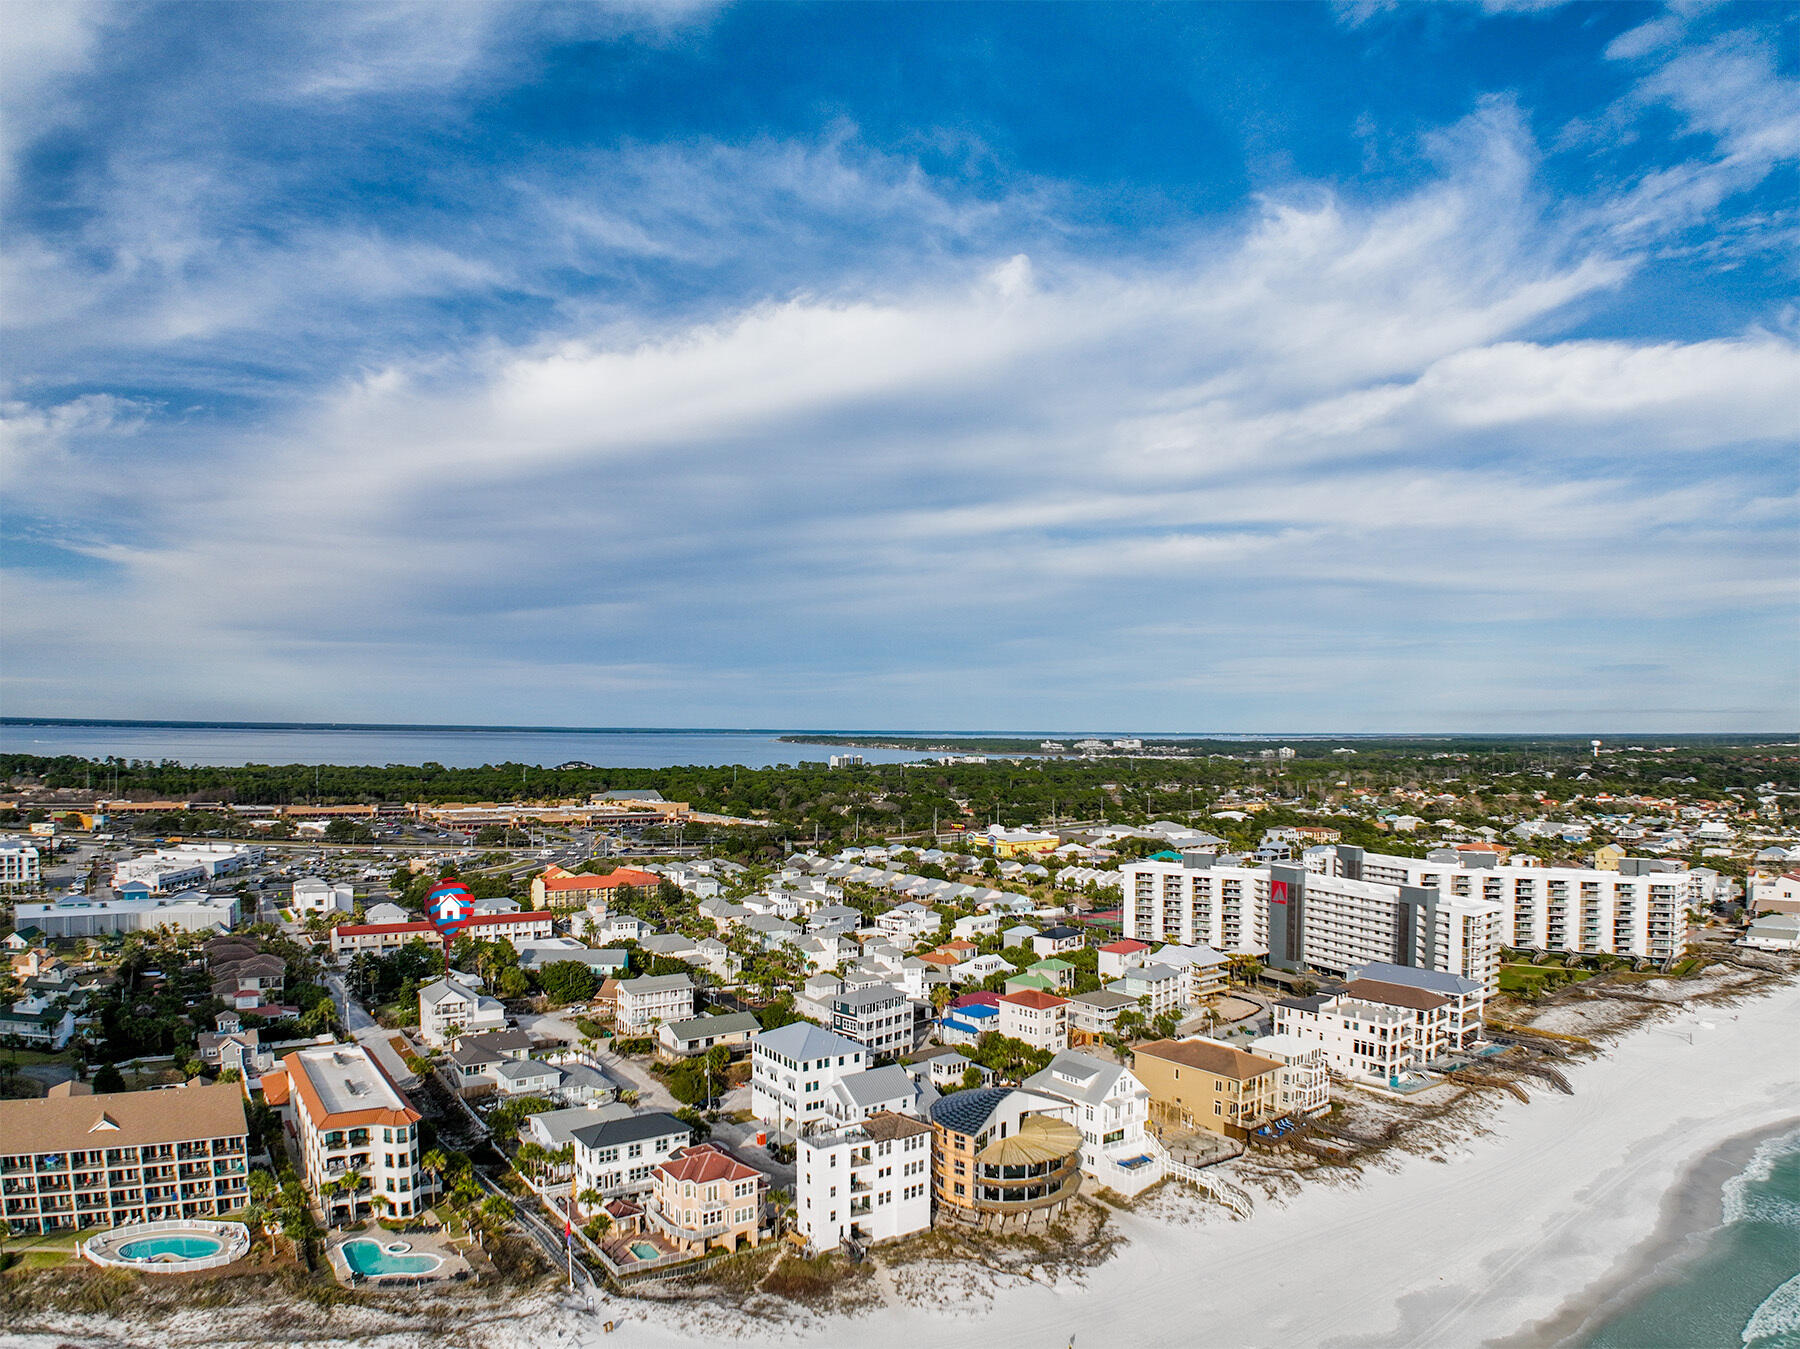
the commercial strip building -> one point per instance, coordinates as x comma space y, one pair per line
76, 1160
864, 1184
87, 916
354, 1128
169, 869
465, 817
352, 939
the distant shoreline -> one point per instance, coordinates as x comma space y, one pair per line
921, 739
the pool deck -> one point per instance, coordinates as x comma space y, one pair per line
453, 1266
230, 1243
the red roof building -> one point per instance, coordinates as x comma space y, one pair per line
703, 1197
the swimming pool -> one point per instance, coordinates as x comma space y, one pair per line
169, 1246
187, 1246
643, 1250
369, 1259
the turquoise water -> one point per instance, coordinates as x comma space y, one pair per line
1742, 1290
188, 1248
367, 1257
643, 1250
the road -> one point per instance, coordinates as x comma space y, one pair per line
370, 1033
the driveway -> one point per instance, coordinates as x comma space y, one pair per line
634, 1073
350, 1012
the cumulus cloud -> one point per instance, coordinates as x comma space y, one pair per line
1349, 451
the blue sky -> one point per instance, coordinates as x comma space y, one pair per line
1237, 367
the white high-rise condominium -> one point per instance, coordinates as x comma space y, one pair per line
1639, 910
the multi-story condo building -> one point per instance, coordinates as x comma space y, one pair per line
1003, 1157
867, 1183
1639, 910
616, 1156
352, 939
354, 1127
1202, 900
74, 1160
1203, 1084
1310, 918
792, 1071
20, 868
878, 1015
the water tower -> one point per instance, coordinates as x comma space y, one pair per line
1596, 745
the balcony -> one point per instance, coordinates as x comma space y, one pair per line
676, 1232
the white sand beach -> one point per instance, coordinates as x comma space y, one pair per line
1528, 1220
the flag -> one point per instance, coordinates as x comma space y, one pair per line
568, 1232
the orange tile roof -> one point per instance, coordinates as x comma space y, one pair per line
275, 1087
555, 878
1031, 997
1126, 946
322, 1118
703, 1164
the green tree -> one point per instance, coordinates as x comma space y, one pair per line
566, 981
109, 1078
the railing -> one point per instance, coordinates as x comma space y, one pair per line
235, 1237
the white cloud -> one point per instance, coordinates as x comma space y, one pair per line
1006, 464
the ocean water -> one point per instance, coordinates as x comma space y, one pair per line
232, 746
1741, 1288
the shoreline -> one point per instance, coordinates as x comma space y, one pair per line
1533, 1227
1523, 1231
1691, 1212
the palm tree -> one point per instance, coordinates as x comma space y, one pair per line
434, 1164
589, 1200
496, 1212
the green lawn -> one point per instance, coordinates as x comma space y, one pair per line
1538, 978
